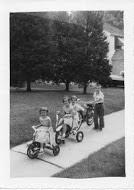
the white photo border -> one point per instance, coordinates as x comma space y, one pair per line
60, 183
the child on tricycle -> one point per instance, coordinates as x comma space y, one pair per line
68, 123
44, 128
77, 109
43, 135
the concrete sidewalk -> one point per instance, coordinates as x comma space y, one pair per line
71, 152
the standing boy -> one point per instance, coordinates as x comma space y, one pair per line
99, 108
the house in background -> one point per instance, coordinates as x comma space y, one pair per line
115, 38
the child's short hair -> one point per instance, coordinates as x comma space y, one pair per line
66, 98
43, 109
98, 86
74, 97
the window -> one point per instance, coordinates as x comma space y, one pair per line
118, 43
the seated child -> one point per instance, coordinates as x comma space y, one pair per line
45, 128
76, 108
67, 113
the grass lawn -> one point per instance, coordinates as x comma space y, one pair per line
24, 108
108, 162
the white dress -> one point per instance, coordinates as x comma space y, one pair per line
76, 107
68, 115
43, 133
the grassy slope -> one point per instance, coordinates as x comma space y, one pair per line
24, 108
109, 161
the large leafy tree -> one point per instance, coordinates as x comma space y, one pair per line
67, 38
93, 63
58, 50
29, 48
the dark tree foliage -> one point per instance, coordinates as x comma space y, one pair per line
93, 63
58, 51
29, 48
68, 40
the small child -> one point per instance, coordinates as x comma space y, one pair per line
76, 108
44, 128
67, 115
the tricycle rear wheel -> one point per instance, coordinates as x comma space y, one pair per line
56, 150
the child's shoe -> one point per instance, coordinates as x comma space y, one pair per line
74, 132
63, 141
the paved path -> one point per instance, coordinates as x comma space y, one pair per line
70, 153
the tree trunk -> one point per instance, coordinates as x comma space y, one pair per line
85, 88
28, 85
67, 86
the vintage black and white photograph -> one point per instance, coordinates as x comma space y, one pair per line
67, 97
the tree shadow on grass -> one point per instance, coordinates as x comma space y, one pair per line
62, 91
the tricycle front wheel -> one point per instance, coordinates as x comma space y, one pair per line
58, 138
33, 150
79, 136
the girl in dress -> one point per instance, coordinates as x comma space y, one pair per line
44, 128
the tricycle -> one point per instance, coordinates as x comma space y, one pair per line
70, 130
34, 147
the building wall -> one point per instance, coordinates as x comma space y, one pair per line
118, 62
118, 66
111, 41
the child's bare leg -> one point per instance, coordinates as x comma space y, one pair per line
64, 130
41, 148
51, 141
75, 125
60, 122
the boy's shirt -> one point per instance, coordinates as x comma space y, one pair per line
99, 97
